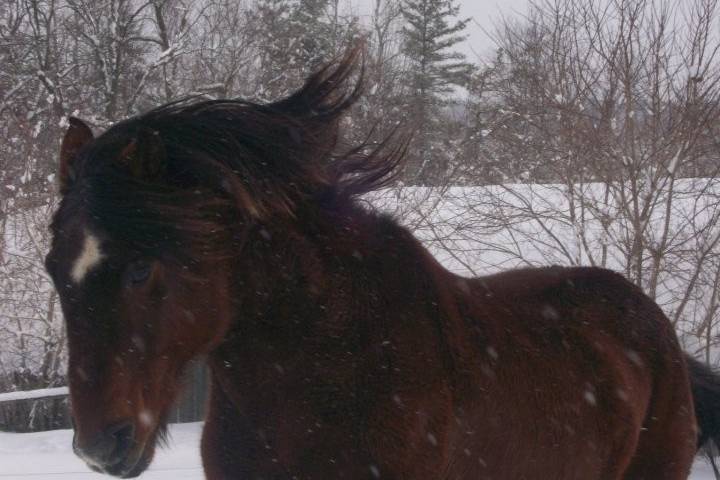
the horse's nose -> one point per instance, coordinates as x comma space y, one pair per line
108, 448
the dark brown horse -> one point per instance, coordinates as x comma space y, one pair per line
339, 348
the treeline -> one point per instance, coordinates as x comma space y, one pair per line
573, 82
110, 59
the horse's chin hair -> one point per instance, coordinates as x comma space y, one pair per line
139, 467
159, 438
162, 434
139, 462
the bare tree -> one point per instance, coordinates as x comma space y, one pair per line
599, 121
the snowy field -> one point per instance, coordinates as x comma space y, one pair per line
48, 455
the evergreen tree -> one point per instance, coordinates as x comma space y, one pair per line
313, 29
296, 37
277, 64
430, 33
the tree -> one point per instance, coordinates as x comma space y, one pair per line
379, 110
600, 120
296, 37
435, 70
224, 50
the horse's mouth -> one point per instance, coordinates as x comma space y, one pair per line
135, 462
130, 467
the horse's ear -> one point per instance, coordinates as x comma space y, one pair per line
77, 136
145, 155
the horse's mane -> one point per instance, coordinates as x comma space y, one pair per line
262, 160
285, 151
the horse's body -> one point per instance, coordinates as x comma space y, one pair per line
338, 347
381, 360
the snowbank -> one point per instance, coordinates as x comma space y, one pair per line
48, 455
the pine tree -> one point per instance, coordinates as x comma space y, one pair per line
430, 33
296, 37
314, 32
277, 65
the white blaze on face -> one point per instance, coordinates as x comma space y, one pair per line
90, 256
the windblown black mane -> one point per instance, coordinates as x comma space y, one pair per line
228, 158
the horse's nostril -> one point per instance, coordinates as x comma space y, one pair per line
123, 435
111, 447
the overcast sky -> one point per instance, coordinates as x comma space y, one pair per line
484, 13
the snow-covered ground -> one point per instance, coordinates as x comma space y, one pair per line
48, 455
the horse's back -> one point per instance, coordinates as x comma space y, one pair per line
582, 363
558, 299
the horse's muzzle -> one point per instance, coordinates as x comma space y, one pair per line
109, 451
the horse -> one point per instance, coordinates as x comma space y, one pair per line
338, 347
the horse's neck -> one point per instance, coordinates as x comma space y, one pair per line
354, 257
308, 298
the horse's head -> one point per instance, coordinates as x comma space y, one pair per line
158, 217
137, 308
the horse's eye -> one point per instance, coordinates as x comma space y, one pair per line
139, 271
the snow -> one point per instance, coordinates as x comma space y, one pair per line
48, 455
41, 393
675, 160
701, 471
590, 397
